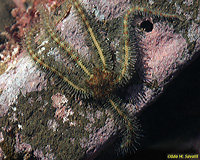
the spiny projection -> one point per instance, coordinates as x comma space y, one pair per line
101, 77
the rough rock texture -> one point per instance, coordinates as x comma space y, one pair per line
38, 120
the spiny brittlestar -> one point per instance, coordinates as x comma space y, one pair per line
99, 77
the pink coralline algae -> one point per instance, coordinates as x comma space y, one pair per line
40, 155
19, 147
106, 9
62, 110
163, 52
80, 129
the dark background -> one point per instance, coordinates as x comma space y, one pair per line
172, 123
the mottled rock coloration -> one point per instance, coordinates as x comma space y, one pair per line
39, 120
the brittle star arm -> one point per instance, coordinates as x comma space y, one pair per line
99, 49
29, 41
63, 44
129, 57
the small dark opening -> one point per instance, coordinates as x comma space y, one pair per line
146, 26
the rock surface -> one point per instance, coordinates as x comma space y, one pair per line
38, 120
